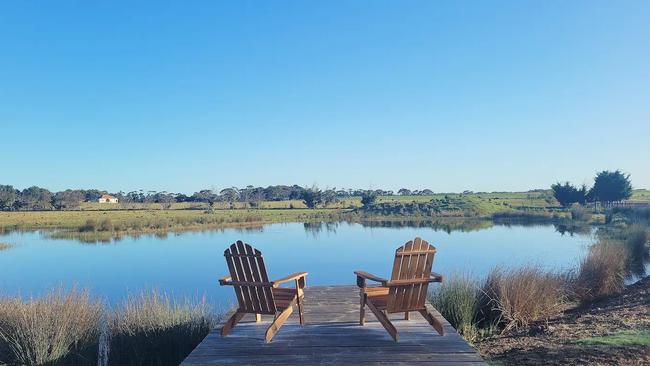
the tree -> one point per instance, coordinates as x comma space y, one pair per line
68, 199
8, 197
426, 192
368, 198
230, 194
329, 196
567, 194
35, 198
611, 187
312, 197
404, 192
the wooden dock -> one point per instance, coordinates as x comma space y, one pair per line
332, 336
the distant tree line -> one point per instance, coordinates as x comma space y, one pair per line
609, 186
37, 198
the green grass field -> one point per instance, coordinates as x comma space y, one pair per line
75, 219
627, 338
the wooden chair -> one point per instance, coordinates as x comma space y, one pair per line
256, 294
407, 289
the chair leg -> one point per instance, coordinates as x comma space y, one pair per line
383, 319
407, 316
231, 322
301, 314
435, 323
362, 309
277, 323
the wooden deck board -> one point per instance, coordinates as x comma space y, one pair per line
333, 336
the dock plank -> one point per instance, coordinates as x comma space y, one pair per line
333, 336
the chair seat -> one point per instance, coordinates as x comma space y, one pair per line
378, 296
283, 297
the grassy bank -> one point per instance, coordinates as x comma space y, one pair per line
108, 224
71, 328
512, 299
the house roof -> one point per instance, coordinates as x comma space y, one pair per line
107, 196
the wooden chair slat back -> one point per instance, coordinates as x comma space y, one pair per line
413, 261
246, 264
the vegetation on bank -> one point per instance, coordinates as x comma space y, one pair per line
71, 328
511, 299
107, 224
153, 329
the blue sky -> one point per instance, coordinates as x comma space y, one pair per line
180, 96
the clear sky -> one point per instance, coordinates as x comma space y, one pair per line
446, 95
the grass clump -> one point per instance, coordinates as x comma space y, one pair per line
602, 272
636, 241
153, 329
457, 300
627, 338
580, 213
513, 298
60, 328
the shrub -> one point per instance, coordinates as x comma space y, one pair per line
515, 297
457, 300
602, 271
57, 329
636, 238
152, 329
105, 225
90, 225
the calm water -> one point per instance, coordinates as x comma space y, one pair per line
191, 263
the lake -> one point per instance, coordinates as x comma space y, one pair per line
191, 263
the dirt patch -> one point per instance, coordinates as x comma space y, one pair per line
555, 342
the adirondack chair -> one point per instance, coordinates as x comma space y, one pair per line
256, 294
407, 289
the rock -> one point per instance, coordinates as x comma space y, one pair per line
540, 329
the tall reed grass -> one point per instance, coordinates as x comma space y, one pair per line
512, 298
70, 328
59, 328
154, 329
457, 300
602, 271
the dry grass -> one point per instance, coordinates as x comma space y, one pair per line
602, 271
60, 328
515, 297
153, 329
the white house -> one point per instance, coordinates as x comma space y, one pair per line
107, 198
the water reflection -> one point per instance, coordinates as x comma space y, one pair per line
188, 263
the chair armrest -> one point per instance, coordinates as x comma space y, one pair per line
294, 276
361, 275
224, 281
436, 277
